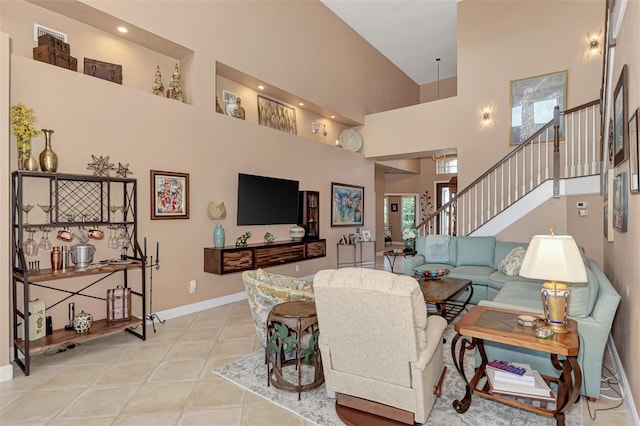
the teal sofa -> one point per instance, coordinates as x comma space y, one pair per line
592, 304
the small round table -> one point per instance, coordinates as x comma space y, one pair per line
391, 256
299, 320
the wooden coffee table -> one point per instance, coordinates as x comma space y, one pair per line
439, 292
500, 325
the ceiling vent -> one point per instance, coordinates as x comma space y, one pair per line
39, 30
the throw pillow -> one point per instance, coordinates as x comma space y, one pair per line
512, 262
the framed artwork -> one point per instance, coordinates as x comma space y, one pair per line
366, 235
608, 205
532, 102
276, 115
394, 207
634, 167
620, 124
347, 205
169, 195
620, 202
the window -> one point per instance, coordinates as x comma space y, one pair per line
447, 165
408, 212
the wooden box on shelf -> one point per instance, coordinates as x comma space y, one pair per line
103, 70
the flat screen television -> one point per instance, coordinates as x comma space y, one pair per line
266, 200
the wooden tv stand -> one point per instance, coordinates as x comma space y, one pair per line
236, 259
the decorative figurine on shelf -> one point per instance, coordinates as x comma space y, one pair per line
231, 106
158, 87
241, 241
269, 237
218, 107
100, 165
123, 170
239, 111
174, 91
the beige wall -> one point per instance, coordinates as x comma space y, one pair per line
5, 263
621, 256
563, 215
497, 42
275, 41
301, 47
433, 91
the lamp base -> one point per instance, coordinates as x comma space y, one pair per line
555, 303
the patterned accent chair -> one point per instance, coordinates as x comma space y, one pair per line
379, 349
265, 290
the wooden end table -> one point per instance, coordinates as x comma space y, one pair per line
440, 291
299, 318
500, 325
391, 256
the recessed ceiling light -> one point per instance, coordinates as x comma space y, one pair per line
261, 87
122, 29
301, 103
333, 116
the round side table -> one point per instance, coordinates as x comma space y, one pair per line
300, 320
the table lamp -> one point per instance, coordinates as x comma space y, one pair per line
555, 258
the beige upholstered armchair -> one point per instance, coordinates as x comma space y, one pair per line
377, 343
265, 290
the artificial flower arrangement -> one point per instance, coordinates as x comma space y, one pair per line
22, 119
409, 234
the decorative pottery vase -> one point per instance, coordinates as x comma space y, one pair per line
408, 244
30, 163
48, 158
230, 108
218, 236
25, 159
297, 233
82, 322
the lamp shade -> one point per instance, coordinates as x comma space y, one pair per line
554, 257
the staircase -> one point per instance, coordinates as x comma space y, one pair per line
566, 148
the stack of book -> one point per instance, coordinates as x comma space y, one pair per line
517, 379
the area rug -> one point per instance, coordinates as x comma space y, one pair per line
316, 407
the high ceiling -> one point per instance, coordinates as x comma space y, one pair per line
410, 33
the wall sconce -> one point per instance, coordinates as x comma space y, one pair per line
594, 44
486, 116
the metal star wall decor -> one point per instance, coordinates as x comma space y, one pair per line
100, 165
123, 170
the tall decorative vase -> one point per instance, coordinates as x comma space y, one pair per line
218, 236
48, 158
408, 244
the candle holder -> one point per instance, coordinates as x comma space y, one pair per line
152, 316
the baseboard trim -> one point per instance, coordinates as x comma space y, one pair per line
628, 397
6, 373
200, 306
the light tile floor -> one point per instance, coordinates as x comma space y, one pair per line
167, 380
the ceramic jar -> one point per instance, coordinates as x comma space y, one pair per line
82, 322
218, 236
297, 233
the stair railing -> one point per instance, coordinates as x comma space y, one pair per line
565, 147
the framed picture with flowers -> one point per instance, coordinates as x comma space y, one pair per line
347, 205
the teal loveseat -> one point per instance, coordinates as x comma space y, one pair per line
592, 304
